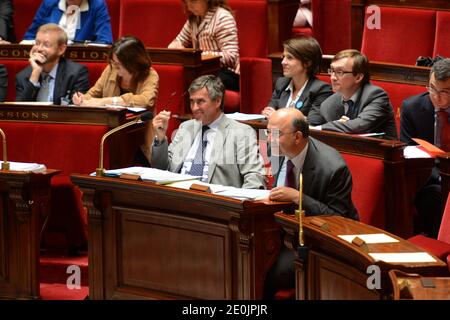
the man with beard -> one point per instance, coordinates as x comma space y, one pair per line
50, 77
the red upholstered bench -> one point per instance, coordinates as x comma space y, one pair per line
442, 38
13, 67
388, 43
24, 11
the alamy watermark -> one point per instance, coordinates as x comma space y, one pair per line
373, 17
74, 280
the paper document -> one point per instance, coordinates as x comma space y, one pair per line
429, 147
370, 238
406, 257
244, 116
136, 109
411, 152
26, 166
30, 103
151, 174
250, 194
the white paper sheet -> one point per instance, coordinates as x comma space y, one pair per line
370, 238
404, 257
25, 166
415, 152
244, 116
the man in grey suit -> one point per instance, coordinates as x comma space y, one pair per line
356, 106
50, 77
211, 146
327, 182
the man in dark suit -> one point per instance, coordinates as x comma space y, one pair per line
6, 22
327, 182
424, 116
356, 106
50, 77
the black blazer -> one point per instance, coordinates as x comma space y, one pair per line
315, 92
417, 119
327, 182
71, 76
6, 21
3, 82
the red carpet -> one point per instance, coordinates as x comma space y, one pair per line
59, 273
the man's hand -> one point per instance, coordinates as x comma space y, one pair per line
284, 194
267, 112
160, 124
344, 119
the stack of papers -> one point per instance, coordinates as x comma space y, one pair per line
403, 257
244, 116
151, 174
26, 166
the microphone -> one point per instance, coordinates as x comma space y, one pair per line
5, 163
100, 171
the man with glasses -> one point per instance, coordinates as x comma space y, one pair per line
327, 182
50, 77
211, 146
357, 106
426, 116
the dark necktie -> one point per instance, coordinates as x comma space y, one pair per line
199, 160
351, 112
442, 130
290, 176
44, 90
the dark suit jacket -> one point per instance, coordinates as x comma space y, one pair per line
417, 119
327, 182
6, 21
374, 113
71, 76
316, 91
3, 82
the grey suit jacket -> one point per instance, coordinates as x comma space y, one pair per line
316, 91
327, 182
374, 113
235, 160
70, 77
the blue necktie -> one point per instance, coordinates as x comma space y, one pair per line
199, 160
44, 90
351, 112
290, 177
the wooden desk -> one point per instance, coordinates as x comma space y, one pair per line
24, 202
409, 286
122, 146
337, 269
158, 242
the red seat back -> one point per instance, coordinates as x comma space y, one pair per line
24, 11
368, 188
442, 39
114, 14
405, 34
444, 230
13, 67
155, 22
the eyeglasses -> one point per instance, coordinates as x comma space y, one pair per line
276, 132
433, 90
338, 73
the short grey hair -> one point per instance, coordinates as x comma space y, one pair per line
441, 69
213, 85
53, 27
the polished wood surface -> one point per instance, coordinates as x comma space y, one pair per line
111, 117
337, 269
158, 242
409, 286
281, 14
24, 205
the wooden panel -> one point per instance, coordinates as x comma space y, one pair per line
175, 254
24, 205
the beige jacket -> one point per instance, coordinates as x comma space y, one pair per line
108, 86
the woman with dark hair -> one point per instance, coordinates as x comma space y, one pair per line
128, 79
212, 28
299, 88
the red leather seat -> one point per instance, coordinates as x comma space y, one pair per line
114, 14
24, 11
442, 39
440, 247
405, 34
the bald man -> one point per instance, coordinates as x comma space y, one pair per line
327, 182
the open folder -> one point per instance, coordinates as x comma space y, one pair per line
428, 147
